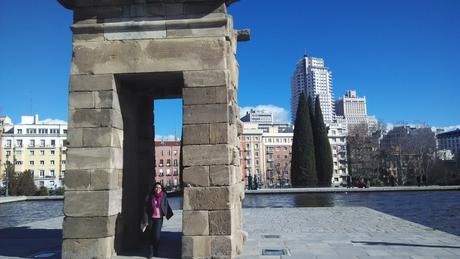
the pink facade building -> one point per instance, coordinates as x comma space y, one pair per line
167, 161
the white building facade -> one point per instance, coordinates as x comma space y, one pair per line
313, 78
337, 135
37, 147
352, 110
449, 141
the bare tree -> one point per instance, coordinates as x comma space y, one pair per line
362, 152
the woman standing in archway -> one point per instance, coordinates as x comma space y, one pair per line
155, 208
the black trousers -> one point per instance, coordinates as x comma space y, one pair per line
156, 225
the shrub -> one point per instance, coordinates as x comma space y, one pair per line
43, 191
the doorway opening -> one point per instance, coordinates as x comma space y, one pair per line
138, 94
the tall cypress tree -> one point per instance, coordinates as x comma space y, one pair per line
323, 152
303, 169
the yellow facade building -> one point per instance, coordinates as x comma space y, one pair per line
37, 146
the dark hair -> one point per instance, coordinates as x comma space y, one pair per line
158, 183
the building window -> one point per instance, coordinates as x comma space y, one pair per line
175, 172
175, 152
52, 173
32, 143
175, 162
168, 171
42, 162
63, 162
18, 162
52, 162
53, 142
19, 142
31, 162
161, 163
168, 162
42, 142
42, 173
19, 131
161, 172
53, 152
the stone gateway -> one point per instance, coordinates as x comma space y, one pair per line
127, 53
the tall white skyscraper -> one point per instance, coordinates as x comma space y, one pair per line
313, 78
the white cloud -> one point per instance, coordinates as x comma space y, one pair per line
447, 128
52, 121
280, 114
166, 137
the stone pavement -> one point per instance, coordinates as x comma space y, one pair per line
342, 232
320, 233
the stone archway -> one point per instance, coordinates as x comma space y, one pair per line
125, 54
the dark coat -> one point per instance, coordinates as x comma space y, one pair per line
165, 209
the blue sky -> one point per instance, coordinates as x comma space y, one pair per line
402, 55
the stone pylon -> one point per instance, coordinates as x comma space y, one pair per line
126, 53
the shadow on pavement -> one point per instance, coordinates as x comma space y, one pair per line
170, 247
27, 242
373, 243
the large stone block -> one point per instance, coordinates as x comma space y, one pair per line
92, 203
219, 133
222, 175
74, 137
81, 100
195, 134
220, 222
207, 198
85, 83
136, 56
106, 179
106, 99
94, 118
87, 248
194, 155
77, 180
205, 78
92, 179
94, 158
196, 176
196, 247
89, 227
223, 247
207, 113
102, 137
195, 223
204, 95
